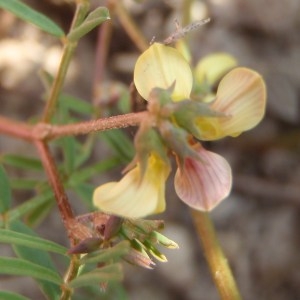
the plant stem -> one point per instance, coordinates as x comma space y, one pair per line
215, 257
102, 47
129, 25
121, 121
59, 192
42, 131
186, 12
70, 274
16, 129
68, 50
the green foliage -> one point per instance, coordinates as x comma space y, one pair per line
11, 296
104, 274
22, 162
21, 267
120, 143
5, 193
17, 238
28, 14
36, 252
95, 18
32, 255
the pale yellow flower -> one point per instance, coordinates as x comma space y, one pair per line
241, 98
135, 196
161, 66
212, 67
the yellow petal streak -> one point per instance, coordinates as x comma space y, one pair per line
241, 96
159, 67
133, 196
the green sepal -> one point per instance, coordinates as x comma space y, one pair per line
188, 111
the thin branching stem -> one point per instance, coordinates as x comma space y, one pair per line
217, 262
57, 186
16, 129
42, 131
129, 25
120, 121
68, 50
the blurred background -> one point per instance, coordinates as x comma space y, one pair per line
258, 225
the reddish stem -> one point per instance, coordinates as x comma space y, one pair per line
42, 131
16, 129
121, 121
59, 192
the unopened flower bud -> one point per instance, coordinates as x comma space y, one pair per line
163, 240
86, 246
138, 258
154, 252
112, 227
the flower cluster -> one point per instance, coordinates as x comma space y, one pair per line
184, 108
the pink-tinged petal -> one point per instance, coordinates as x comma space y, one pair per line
241, 96
202, 184
159, 67
133, 196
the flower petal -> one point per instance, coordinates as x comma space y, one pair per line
212, 67
241, 96
159, 67
133, 196
202, 184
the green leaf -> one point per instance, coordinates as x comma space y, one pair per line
24, 184
38, 257
105, 274
69, 152
85, 191
86, 173
11, 296
21, 267
30, 205
38, 214
120, 143
95, 18
85, 150
5, 192
22, 162
105, 255
76, 105
16, 238
26, 13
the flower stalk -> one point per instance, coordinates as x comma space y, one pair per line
129, 25
217, 262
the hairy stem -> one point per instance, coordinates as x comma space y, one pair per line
42, 131
52, 131
215, 257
